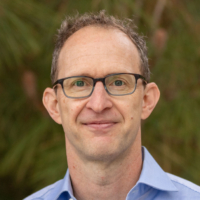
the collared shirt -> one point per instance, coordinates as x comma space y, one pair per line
153, 184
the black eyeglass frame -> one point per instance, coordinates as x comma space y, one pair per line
95, 80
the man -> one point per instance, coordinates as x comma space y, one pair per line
100, 94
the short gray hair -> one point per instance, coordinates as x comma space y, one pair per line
72, 24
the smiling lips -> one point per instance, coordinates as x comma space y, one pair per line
99, 124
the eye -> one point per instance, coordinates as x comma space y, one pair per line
79, 83
118, 83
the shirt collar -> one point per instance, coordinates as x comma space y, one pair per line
63, 186
151, 175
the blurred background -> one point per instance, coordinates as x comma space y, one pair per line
32, 147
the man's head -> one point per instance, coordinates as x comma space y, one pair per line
72, 24
101, 126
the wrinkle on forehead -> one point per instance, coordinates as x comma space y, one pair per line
97, 42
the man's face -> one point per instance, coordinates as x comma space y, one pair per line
101, 126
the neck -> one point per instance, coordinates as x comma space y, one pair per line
105, 180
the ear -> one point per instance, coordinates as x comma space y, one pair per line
150, 99
51, 104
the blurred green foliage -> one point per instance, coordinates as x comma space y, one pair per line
32, 147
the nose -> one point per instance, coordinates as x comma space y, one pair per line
99, 100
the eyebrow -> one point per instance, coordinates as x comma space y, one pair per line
89, 75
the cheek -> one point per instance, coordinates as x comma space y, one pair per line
65, 109
70, 109
131, 109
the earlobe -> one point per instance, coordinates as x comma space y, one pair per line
51, 104
150, 99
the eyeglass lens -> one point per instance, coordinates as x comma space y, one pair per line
119, 84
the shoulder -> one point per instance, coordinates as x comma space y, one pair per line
186, 189
43, 193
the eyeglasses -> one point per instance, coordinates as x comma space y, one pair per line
115, 84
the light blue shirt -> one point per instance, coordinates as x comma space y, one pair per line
153, 184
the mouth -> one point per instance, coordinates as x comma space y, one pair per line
99, 125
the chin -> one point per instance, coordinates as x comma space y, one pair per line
104, 154
101, 157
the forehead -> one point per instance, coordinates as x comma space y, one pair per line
98, 51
